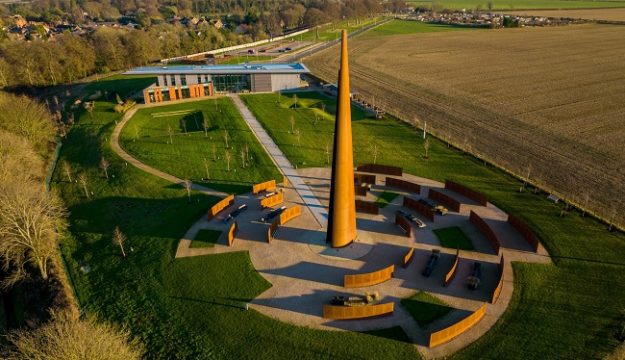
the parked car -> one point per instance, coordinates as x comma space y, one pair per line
272, 214
432, 262
411, 218
473, 281
251, 51
439, 209
235, 213
288, 48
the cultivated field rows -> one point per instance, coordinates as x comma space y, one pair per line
550, 97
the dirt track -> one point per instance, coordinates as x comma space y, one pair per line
550, 97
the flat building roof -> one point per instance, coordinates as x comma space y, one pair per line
277, 68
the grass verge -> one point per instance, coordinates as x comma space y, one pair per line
425, 308
453, 237
205, 238
385, 199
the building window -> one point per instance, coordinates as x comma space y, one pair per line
232, 83
173, 80
158, 81
199, 79
183, 80
206, 78
164, 80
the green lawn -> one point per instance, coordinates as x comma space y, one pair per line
453, 237
385, 198
583, 251
191, 308
520, 4
395, 333
398, 27
425, 308
205, 238
191, 153
241, 59
331, 32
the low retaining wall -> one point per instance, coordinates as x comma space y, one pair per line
232, 232
465, 191
221, 205
364, 178
357, 312
272, 200
499, 287
271, 231
486, 230
264, 186
381, 169
447, 334
361, 189
403, 185
451, 203
367, 207
368, 279
525, 231
452, 272
418, 207
408, 258
403, 224
290, 214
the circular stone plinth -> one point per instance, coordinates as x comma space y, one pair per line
358, 248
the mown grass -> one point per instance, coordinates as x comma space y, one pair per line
400, 27
385, 198
587, 280
190, 308
191, 153
520, 4
453, 237
331, 32
205, 238
242, 59
425, 308
394, 333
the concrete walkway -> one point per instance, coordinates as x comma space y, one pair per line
281, 161
148, 169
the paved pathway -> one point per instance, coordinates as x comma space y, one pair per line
133, 161
304, 191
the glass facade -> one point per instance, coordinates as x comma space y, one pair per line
232, 83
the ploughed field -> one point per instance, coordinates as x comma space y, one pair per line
590, 14
550, 101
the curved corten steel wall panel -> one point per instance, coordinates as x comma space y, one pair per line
271, 231
232, 231
403, 185
264, 186
463, 190
357, 312
403, 223
486, 230
451, 203
418, 207
408, 257
499, 287
364, 178
215, 209
381, 169
367, 207
452, 272
447, 334
368, 279
290, 214
525, 231
272, 200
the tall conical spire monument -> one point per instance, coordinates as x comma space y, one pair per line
342, 216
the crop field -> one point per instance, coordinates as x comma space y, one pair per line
521, 4
543, 101
591, 14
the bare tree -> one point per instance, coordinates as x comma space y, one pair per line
68, 170
183, 123
323, 107
67, 336
119, 238
528, 172
170, 132
205, 126
187, 186
247, 152
279, 96
82, 180
208, 176
226, 138
105, 165
294, 101
327, 153
292, 121
298, 135
228, 157
426, 147
29, 224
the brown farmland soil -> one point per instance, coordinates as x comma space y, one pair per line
588, 14
550, 98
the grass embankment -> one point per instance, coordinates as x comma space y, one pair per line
572, 309
191, 153
205, 238
189, 308
520, 4
425, 308
453, 237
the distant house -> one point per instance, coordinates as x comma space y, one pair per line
19, 21
217, 23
